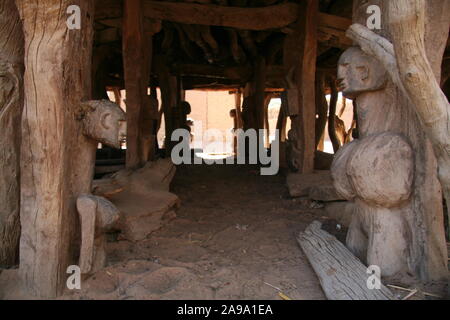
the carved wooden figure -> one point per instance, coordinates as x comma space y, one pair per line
379, 173
104, 122
97, 215
410, 47
376, 172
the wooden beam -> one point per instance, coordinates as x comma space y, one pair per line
261, 18
210, 71
331, 28
136, 58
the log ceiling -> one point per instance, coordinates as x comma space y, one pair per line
216, 42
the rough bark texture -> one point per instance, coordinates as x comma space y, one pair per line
11, 105
341, 274
421, 83
391, 110
57, 159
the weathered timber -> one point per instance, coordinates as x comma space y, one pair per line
332, 115
11, 105
236, 17
341, 275
300, 51
137, 55
331, 28
56, 156
384, 106
421, 82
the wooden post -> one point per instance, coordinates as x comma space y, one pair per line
321, 110
237, 104
332, 115
168, 86
300, 51
136, 56
259, 83
55, 153
267, 99
11, 105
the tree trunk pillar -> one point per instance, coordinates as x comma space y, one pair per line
300, 54
57, 78
11, 105
137, 65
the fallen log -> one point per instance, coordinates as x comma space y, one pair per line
341, 275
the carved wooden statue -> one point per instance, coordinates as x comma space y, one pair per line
410, 46
375, 172
97, 215
104, 122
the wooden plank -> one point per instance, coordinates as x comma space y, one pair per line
341, 275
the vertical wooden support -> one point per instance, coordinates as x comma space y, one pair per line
136, 57
427, 248
259, 92
55, 154
321, 110
332, 115
237, 104
282, 118
267, 99
168, 85
11, 105
300, 53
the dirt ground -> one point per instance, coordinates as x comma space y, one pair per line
233, 238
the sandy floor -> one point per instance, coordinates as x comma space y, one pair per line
234, 234
233, 238
234, 231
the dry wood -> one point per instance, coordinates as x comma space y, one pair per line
420, 82
341, 274
332, 115
137, 56
262, 18
300, 50
391, 109
411, 70
57, 161
11, 105
331, 28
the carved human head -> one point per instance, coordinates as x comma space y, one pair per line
359, 73
104, 122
